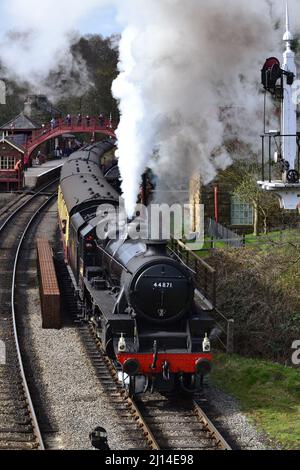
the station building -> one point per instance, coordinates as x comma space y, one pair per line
14, 136
11, 168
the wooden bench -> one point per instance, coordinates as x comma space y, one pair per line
49, 290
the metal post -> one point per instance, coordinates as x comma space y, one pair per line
263, 157
205, 282
265, 105
270, 160
144, 190
216, 196
230, 337
298, 145
214, 281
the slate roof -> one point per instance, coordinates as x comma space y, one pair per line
21, 123
13, 144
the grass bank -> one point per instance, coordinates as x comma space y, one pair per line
259, 289
269, 394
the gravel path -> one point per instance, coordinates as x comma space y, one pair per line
70, 401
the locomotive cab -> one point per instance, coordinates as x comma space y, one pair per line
81, 247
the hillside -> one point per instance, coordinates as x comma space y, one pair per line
99, 57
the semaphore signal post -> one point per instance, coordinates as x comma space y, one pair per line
281, 148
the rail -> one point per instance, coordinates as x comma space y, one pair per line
210, 427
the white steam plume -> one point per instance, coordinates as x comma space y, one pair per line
36, 39
180, 62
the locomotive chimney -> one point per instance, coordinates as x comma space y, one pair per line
155, 242
28, 107
156, 247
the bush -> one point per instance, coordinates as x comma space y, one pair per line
259, 288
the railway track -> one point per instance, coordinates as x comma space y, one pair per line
179, 422
19, 429
11, 206
153, 421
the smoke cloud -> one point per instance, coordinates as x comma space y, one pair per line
189, 74
36, 40
189, 79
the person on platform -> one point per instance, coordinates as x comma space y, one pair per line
101, 120
38, 158
79, 119
57, 152
88, 121
69, 119
53, 123
18, 165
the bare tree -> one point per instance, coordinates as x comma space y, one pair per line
263, 202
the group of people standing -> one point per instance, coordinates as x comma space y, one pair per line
80, 120
86, 120
58, 153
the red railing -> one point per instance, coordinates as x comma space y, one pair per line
65, 126
12, 176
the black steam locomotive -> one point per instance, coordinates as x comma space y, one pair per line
139, 296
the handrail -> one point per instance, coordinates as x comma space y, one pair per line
93, 125
73, 125
206, 283
187, 248
205, 278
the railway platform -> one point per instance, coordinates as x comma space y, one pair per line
38, 174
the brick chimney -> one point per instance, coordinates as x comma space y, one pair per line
195, 201
28, 107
